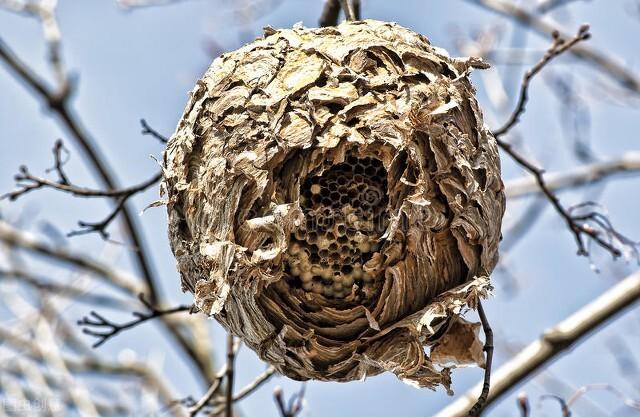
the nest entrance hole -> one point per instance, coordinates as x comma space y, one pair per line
345, 212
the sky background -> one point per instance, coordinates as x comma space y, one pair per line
142, 64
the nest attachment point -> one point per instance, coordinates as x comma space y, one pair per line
335, 200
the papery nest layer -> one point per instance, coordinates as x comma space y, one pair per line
281, 113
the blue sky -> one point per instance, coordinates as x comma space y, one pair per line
143, 63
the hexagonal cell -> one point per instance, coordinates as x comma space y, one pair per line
346, 213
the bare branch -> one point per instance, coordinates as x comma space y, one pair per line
477, 408
599, 60
211, 397
552, 344
148, 130
294, 406
581, 227
208, 396
231, 357
108, 328
546, 6
58, 103
121, 280
606, 237
563, 404
628, 402
523, 404
28, 182
558, 47
255, 384
59, 161
582, 175
62, 290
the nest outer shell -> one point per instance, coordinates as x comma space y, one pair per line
291, 104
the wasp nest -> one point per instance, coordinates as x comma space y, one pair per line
335, 201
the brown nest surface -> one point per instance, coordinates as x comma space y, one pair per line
335, 200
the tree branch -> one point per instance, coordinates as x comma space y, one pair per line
227, 399
109, 329
209, 395
580, 225
28, 182
148, 130
294, 406
477, 408
17, 239
255, 384
58, 103
552, 344
231, 357
593, 225
582, 175
600, 61
61, 290
558, 47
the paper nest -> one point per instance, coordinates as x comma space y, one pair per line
288, 107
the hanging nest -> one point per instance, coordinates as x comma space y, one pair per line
335, 201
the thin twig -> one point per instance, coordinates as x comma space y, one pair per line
566, 412
28, 182
523, 404
293, 406
552, 344
109, 329
599, 60
208, 396
574, 223
62, 290
148, 130
255, 384
17, 239
231, 357
58, 103
59, 161
582, 175
558, 47
605, 237
488, 348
